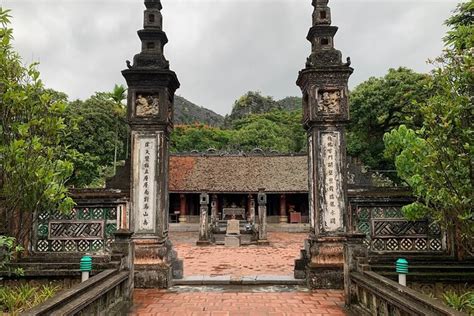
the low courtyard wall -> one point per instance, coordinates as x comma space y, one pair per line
106, 293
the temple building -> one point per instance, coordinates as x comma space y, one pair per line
234, 180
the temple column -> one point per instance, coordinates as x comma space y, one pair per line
151, 89
214, 203
283, 213
183, 216
251, 209
324, 83
262, 218
204, 236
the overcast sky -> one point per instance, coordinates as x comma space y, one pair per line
221, 49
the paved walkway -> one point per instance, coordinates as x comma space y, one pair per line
275, 259
163, 302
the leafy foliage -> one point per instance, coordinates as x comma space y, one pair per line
379, 105
32, 156
186, 138
8, 250
436, 160
460, 302
99, 131
276, 130
16, 299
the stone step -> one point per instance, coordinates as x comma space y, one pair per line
440, 268
38, 266
269, 280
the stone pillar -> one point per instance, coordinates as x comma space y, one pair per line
251, 209
283, 213
214, 204
325, 115
355, 253
151, 89
123, 252
262, 218
183, 217
204, 236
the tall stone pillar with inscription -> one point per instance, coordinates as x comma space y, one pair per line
326, 113
151, 88
262, 217
204, 231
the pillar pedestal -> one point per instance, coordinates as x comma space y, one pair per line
156, 264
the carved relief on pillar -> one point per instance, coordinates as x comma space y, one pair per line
329, 101
147, 105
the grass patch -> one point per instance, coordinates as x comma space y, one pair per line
18, 298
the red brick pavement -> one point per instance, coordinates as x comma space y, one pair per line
162, 302
276, 259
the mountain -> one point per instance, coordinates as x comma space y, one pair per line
186, 112
255, 103
291, 103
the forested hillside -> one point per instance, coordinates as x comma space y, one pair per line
186, 112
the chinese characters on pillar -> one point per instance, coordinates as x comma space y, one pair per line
332, 208
146, 189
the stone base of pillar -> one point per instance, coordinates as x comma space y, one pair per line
156, 264
183, 219
203, 243
263, 242
153, 276
324, 258
283, 219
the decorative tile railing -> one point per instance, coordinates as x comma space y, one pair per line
84, 229
387, 230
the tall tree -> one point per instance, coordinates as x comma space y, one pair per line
379, 105
118, 95
436, 160
32, 165
96, 123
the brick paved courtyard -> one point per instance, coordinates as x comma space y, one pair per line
275, 259
163, 302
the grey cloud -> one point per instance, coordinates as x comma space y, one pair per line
220, 49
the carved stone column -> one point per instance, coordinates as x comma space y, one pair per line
183, 216
151, 88
214, 204
325, 115
262, 217
251, 209
283, 213
204, 236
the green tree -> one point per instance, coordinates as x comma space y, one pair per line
96, 123
379, 105
186, 138
276, 130
118, 95
436, 160
32, 165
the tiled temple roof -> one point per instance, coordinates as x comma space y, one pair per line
238, 173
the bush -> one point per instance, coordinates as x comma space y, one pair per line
460, 302
16, 299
